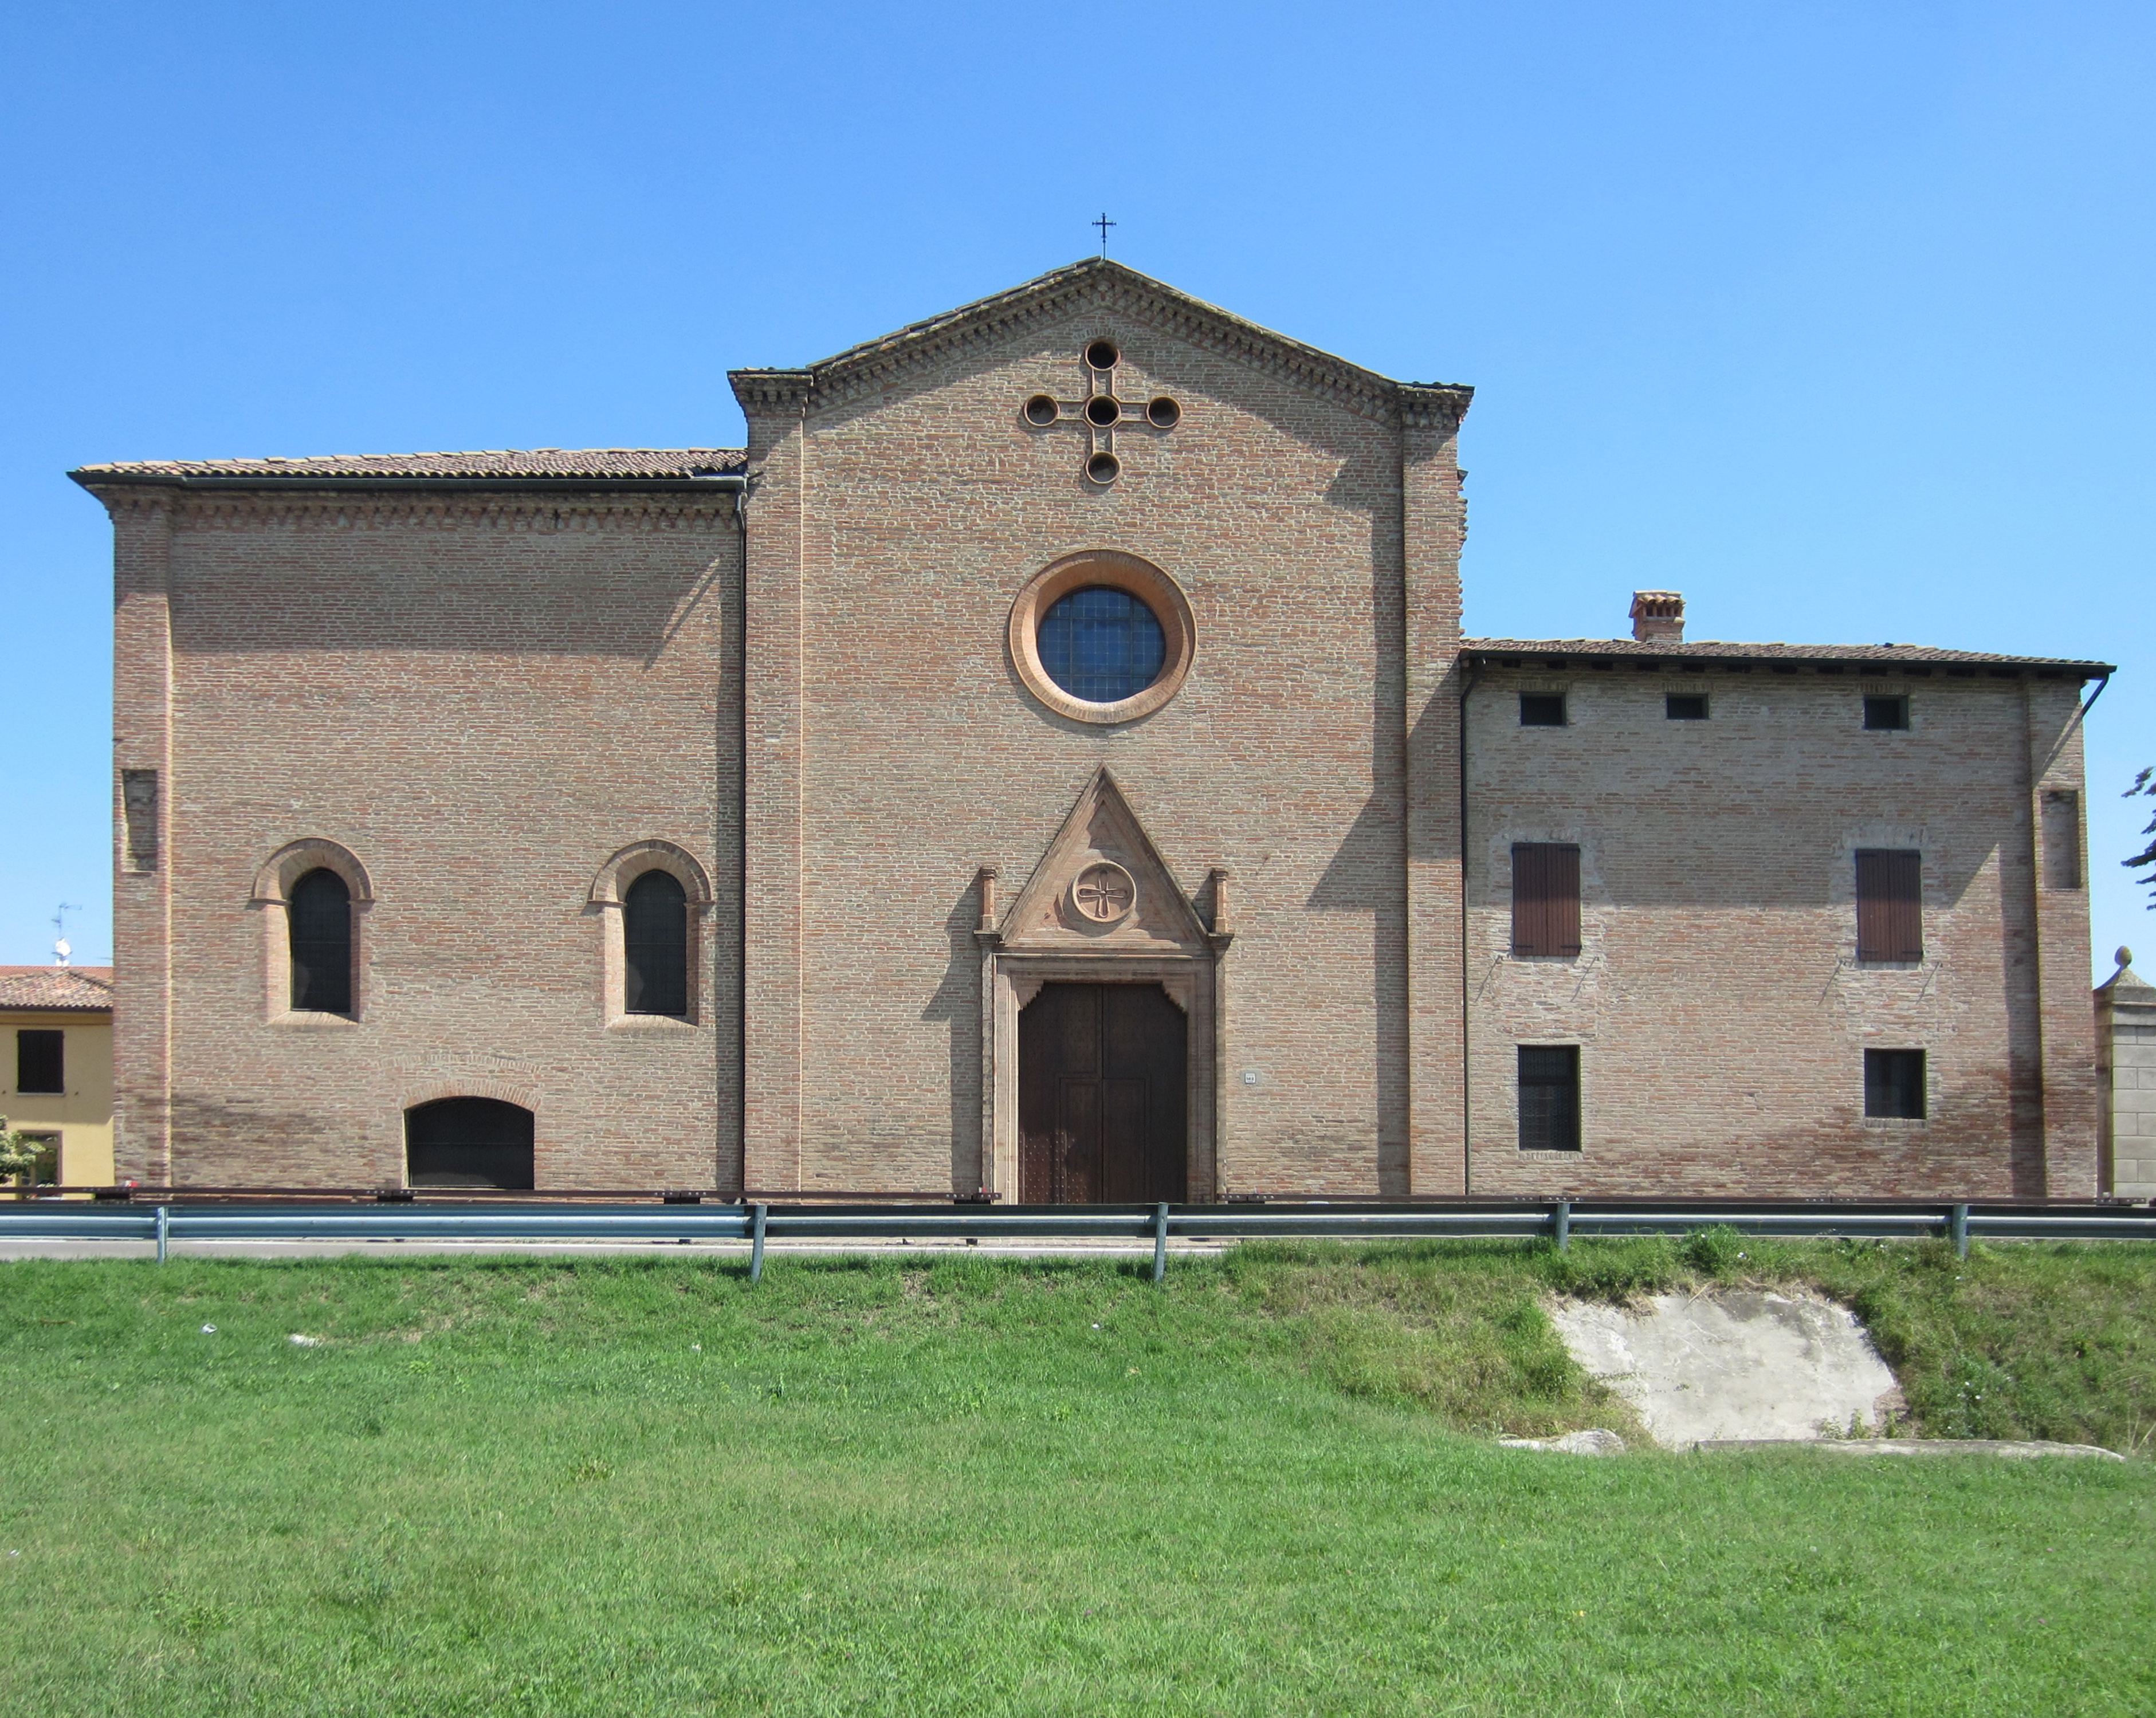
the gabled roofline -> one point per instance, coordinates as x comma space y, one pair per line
860, 368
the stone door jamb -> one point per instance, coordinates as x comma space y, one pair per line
1010, 980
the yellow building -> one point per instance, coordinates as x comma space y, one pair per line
56, 1063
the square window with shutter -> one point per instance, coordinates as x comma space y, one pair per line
1541, 710
1545, 901
1890, 915
40, 1061
1550, 1097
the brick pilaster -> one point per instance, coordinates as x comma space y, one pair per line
142, 844
2059, 876
1433, 526
775, 403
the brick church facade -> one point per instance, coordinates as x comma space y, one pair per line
1045, 763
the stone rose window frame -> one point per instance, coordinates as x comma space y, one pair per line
272, 897
608, 888
1118, 570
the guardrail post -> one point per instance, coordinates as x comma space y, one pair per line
1957, 1226
1561, 1224
164, 1223
756, 1246
1160, 1241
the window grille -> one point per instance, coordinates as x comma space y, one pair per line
1894, 1085
320, 912
1685, 706
468, 1142
1103, 645
1550, 1097
1885, 713
654, 928
1541, 710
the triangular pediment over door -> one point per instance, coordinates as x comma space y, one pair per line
1103, 889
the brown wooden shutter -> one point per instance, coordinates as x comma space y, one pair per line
1890, 911
1545, 899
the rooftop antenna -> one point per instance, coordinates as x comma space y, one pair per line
62, 954
1103, 223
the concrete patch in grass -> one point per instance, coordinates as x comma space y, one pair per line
1734, 1364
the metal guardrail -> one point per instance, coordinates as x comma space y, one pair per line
1558, 1220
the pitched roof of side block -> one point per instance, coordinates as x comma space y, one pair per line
546, 467
1875, 658
80, 990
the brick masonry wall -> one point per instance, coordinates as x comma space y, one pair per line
482, 699
923, 509
1718, 1004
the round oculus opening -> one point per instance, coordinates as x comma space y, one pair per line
1101, 468
1164, 413
1102, 355
1102, 643
1095, 661
1104, 409
1041, 411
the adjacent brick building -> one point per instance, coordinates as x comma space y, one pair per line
1044, 762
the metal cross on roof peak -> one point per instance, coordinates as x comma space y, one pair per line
1103, 222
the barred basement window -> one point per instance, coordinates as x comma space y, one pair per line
654, 928
468, 1142
1545, 901
1541, 710
1894, 1085
321, 944
41, 1061
1550, 1097
1890, 917
1885, 712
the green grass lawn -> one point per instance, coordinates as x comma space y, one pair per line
642, 1485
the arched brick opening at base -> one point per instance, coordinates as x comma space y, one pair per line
468, 1142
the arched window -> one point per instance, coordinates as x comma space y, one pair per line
654, 928
468, 1142
321, 944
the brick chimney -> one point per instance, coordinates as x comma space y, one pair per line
1658, 616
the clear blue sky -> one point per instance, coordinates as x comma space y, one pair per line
1837, 317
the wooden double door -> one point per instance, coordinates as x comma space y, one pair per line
1103, 1099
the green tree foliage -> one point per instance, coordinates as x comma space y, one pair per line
18, 1153
2145, 783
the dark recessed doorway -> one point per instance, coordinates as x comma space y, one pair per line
468, 1142
1103, 1100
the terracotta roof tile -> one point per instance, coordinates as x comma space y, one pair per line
1883, 658
74, 988
555, 464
